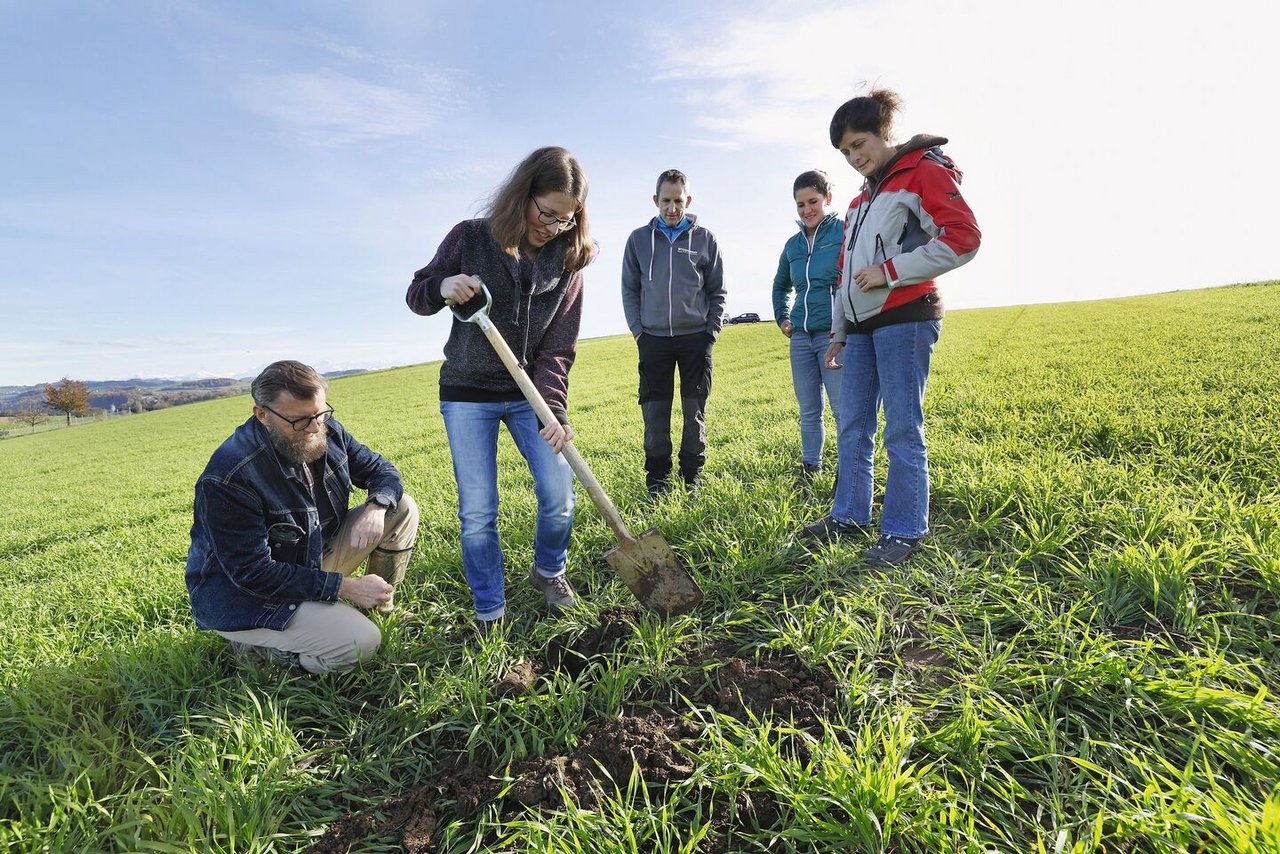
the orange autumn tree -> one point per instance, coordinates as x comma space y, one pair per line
69, 396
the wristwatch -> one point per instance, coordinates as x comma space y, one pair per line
382, 501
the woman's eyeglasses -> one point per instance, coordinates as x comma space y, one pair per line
548, 218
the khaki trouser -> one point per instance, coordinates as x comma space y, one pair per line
335, 636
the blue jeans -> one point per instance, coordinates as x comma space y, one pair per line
888, 366
473, 441
810, 375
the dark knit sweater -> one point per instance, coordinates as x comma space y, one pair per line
539, 319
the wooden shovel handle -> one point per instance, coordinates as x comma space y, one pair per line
576, 462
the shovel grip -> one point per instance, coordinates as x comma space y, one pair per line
543, 411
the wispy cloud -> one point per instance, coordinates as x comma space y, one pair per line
80, 344
358, 55
328, 108
774, 75
253, 331
763, 77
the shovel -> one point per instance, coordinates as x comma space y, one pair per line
646, 564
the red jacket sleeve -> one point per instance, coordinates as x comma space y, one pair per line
944, 214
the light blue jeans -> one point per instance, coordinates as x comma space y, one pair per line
810, 375
888, 366
473, 441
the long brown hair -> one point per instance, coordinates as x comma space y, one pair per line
547, 170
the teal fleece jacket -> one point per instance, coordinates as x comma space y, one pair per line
809, 268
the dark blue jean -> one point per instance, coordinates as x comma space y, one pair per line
473, 442
888, 367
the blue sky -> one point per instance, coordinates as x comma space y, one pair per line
199, 188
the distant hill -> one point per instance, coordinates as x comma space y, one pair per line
140, 393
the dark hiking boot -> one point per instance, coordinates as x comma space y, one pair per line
558, 591
809, 472
391, 566
657, 488
692, 481
891, 551
829, 528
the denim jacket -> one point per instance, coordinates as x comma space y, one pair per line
256, 545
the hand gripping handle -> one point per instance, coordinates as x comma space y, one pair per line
480, 317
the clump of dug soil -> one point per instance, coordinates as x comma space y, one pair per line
571, 655
647, 745
778, 686
518, 680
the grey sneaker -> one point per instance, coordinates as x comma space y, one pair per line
891, 551
829, 528
558, 591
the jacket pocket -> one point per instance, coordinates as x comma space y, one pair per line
287, 542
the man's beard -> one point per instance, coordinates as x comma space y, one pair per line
296, 448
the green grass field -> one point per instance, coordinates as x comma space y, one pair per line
1084, 658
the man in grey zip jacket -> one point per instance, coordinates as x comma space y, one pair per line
673, 298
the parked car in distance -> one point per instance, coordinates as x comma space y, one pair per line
747, 317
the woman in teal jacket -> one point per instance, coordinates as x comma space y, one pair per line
809, 269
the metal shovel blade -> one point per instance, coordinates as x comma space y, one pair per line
655, 574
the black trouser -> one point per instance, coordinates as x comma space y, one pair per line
659, 358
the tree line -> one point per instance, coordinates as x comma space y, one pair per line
76, 398
69, 397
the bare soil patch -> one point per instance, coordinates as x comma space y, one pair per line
925, 665
573, 654
779, 686
656, 745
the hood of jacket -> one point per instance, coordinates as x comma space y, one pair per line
909, 154
830, 217
693, 223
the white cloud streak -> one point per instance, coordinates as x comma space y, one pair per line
327, 108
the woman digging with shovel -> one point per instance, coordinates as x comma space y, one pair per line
528, 251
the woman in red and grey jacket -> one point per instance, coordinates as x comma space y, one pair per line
908, 226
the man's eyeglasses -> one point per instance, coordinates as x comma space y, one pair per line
548, 218
303, 423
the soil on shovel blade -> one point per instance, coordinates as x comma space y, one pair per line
657, 746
